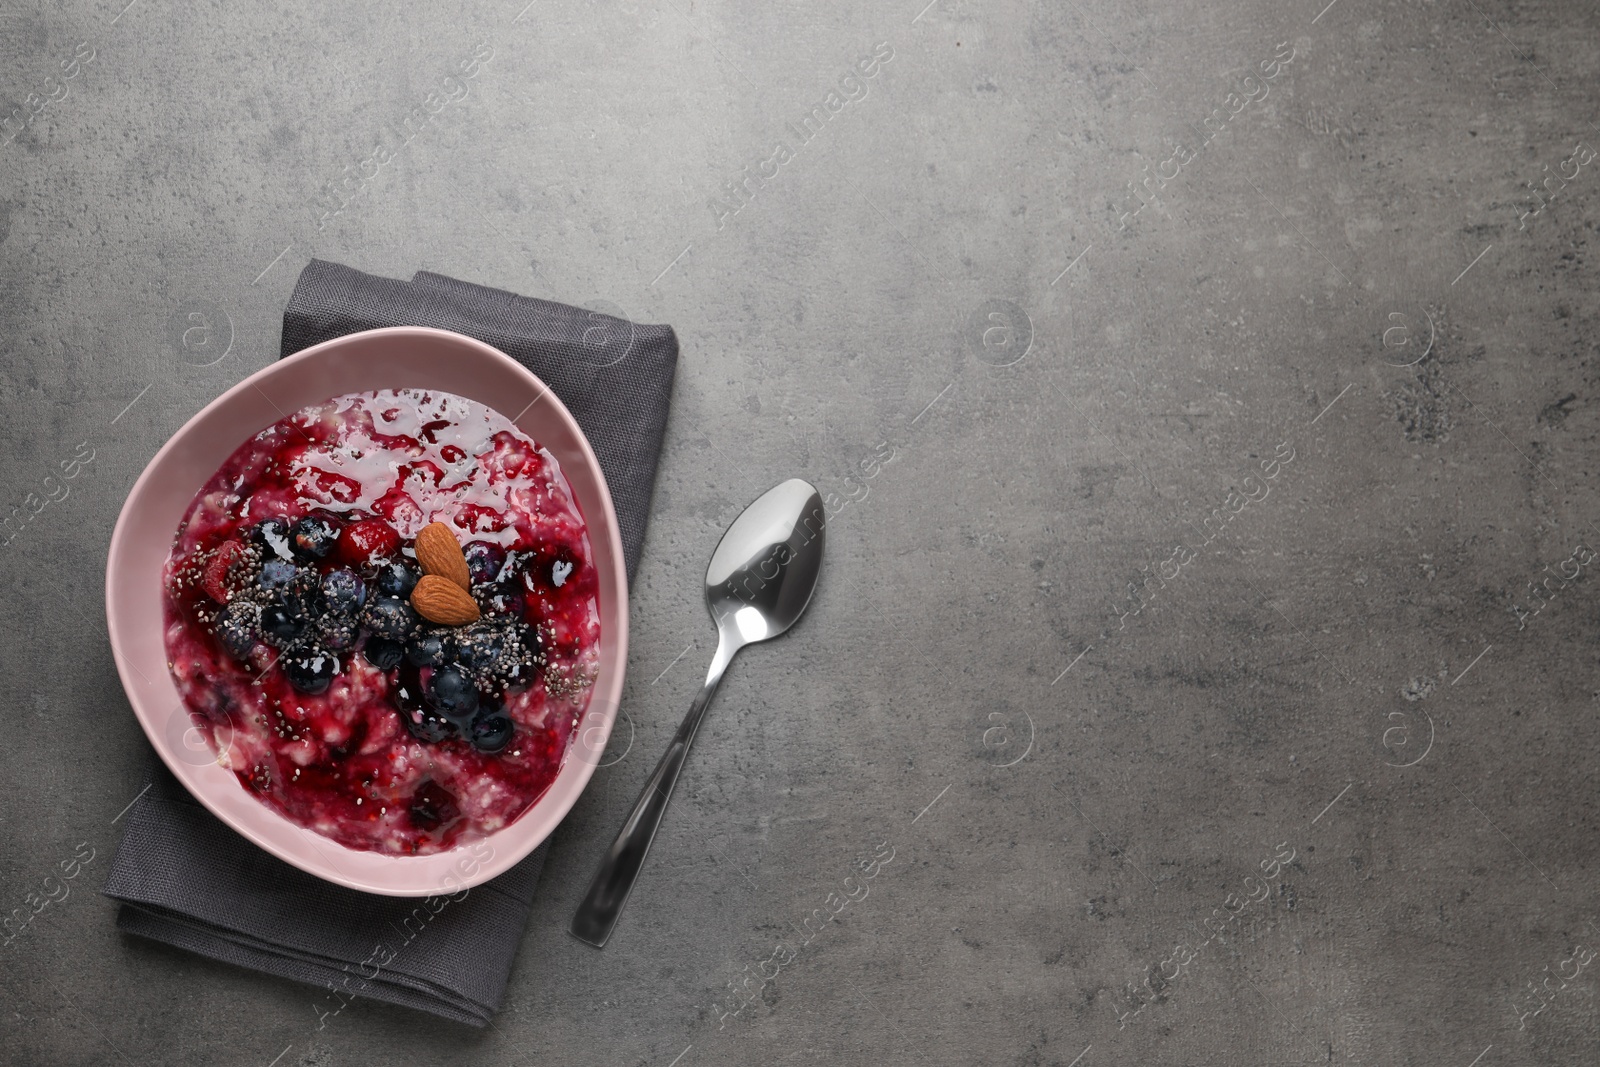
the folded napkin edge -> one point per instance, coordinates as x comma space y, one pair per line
167, 927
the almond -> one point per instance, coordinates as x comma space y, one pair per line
439, 553
442, 601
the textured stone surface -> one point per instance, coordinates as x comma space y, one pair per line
1073, 785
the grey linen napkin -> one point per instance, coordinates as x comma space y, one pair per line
187, 880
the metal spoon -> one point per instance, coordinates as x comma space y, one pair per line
759, 583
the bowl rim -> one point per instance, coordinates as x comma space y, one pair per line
600, 713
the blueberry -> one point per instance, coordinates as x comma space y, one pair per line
343, 592
422, 722
283, 621
310, 671
407, 690
524, 668
484, 561
314, 536
276, 573
273, 535
479, 650
236, 628
505, 601
492, 732
383, 653
428, 725
395, 579
388, 617
433, 807
519, 675
552, 569
429, 649
452, 692
337, 634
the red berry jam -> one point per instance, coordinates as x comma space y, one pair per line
293, 642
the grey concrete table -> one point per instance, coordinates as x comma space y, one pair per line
1208, 398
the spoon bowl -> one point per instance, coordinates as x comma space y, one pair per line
765, 567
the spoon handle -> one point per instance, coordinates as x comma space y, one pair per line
602, 905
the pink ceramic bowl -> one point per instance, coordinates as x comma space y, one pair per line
393, 358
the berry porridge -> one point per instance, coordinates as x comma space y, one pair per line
383, 613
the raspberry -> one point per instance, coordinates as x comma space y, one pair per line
397, 506
214, 579
367, 541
